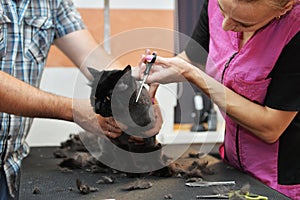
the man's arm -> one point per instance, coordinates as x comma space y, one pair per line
84, 51
20, 98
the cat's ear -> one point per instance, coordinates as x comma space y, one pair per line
94, 72
127, 69
123, 83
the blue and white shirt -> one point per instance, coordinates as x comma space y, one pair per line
27, 30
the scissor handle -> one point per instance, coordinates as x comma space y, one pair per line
153, 58
251, 196
149, 64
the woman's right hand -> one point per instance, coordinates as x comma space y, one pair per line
166, 70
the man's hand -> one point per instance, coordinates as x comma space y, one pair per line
109, 126
87, 119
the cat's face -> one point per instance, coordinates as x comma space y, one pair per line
114, 94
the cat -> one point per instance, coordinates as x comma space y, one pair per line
114, 94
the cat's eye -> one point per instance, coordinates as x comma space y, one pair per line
122, 86
107, 98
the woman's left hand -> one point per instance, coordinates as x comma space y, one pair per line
157, 123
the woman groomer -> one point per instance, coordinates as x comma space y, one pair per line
253, 75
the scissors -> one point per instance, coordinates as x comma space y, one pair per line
247, 196
209, 183
146, 74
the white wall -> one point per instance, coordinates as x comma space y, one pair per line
127, 4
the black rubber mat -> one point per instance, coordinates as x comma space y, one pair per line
40, 171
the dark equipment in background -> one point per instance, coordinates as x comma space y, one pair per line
205, 116
199, 115
193, 106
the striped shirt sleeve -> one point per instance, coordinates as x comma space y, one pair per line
68, 19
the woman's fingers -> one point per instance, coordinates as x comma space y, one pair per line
157, 124
159, 60
152, 89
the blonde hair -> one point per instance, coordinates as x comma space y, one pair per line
279, 4
276, 4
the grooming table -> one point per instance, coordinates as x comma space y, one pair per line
40, 170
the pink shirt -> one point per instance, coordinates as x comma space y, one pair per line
246, 71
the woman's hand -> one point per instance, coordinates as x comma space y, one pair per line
158, 120
157, 113
152, 132
157, 124
165, 70
136, 71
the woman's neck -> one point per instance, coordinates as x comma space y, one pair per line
245, 36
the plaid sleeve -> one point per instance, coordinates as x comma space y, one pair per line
68, 19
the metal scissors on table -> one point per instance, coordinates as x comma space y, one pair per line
146, 74
209, 183
247, 196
